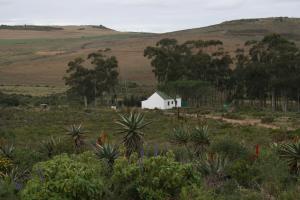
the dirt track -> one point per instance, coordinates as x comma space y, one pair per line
244, 122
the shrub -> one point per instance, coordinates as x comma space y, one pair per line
195, 192
247, 194
291, 194
229, 147
66, 177
5, 165
244, 173
156, 178
273, 173
25, 158
55, 146
7, 189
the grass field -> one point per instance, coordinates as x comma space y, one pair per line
30, 126
32, 90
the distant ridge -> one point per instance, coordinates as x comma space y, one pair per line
102, 27
30, 27
261, 20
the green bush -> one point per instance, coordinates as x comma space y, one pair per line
244, 173
67, 177
291, 194
195, 192
55, 146
25, 158
229, 147
156, 178
7, 189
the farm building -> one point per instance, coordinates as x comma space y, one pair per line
162, 101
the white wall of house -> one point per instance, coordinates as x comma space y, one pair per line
170, 103
156, 101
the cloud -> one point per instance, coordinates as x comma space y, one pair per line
225, 4
5, 2
142, 15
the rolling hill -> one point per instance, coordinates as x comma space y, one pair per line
39, 55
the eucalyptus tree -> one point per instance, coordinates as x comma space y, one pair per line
190, 61
166, 60
105, 74
91, 82
279, 58
79, 80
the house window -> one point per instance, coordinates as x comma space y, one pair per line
172, 102
168, 103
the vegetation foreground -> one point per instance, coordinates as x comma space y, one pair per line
128, 155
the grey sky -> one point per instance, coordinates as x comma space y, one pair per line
141, 15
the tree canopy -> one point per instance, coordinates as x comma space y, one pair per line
269, 68
92, 82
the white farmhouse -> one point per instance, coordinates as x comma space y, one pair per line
161, 101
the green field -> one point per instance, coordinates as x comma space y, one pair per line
32, 90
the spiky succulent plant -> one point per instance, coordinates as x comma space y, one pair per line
107, 152
291, 153
77, 133
131, 125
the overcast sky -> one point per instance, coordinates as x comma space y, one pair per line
141, 15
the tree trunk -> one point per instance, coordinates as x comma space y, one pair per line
273, 100
284, 101
298, 102
95, 93
85, 102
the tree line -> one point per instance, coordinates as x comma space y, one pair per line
264, 73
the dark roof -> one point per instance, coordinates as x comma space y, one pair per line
163, 95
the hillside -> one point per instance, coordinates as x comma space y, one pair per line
40, 57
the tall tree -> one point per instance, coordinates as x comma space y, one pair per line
278, 57
91, 83
167, 60
80, 80
105, 75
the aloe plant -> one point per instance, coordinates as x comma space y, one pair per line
180, 136
50, 146
291, 153
7, 150
77, 133
107, 152
200, 139
132, 125
212, 164
212, 167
